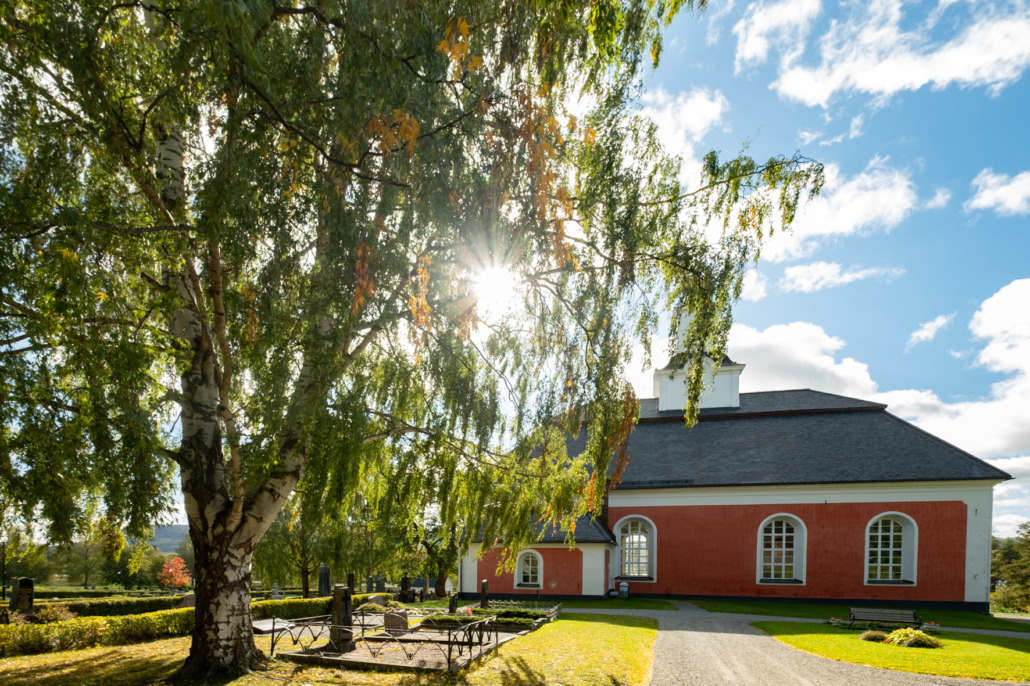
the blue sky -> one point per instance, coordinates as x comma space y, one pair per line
908, 280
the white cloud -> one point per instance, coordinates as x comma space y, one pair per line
871, 53
784, 25
1006, 195
857, 122
809, 278
796, 355
754, 286
808, 137
940, 199
880, 197
683, 120
927, 331
1007, 525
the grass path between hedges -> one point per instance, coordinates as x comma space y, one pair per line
972, 656
946, 618
576, 649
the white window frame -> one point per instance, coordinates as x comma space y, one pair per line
539, 559
651, 531
799, 551
909, 563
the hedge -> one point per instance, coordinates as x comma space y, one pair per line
114, 607
81, 593
86, 632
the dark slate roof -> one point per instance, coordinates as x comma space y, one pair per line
789, 437
588, 530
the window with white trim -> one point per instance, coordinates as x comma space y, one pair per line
891, 550
781, 550
636, 549
529, 571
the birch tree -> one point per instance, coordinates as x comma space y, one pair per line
244, 243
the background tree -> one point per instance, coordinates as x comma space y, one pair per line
1010, 571
185, 551
293, 548
174, 574
100, 543
138, 565
263, 224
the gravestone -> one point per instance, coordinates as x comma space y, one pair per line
23, 592
324, 581
276, 595
396, 620
452, 606
381, 585
369, 585
484, 595
350, 581
406, 595
188, 600
340, 633
376, 600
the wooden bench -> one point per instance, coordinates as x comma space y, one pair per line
873, 614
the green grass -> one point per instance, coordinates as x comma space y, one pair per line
971, 656
576, 649
946, 618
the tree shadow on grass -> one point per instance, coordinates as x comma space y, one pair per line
97, 669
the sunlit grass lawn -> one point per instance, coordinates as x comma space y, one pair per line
946, 618
972, 656
576, 649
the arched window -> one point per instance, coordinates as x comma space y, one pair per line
782, 540
891, 545
529, 572
636, 536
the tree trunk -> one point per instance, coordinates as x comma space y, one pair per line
305, 583
223, 638
441, 581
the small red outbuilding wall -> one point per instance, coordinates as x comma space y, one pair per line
712, 550
562, 573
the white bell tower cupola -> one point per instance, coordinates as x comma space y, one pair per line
722, 381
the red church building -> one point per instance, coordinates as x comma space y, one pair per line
784, 494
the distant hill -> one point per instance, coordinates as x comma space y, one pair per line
167, 538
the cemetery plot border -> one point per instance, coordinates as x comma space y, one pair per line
378, 641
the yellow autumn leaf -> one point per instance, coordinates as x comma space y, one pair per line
67, 254
102, 296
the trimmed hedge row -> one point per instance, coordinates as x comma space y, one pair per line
82, 593
86, 632
115, 607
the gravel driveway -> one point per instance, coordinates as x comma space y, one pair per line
695, 646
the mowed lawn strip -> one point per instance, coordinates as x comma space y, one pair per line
946, 618
576, 649
971, 656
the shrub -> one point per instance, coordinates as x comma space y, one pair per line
361, 598
874, 635
86, 632
1011, 597
912, 638
53, 612
290, 609
113, 607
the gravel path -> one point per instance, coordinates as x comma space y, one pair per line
695, 646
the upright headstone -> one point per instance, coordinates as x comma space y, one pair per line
396, 621
381, 585
23, 593
350, 581
452, 606
484, 594
406, 595
325, 587
369, 585
276, 595
340, 632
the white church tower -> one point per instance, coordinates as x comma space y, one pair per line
722, 381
